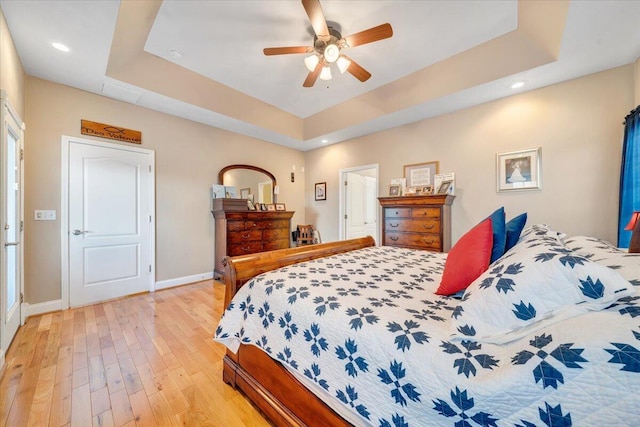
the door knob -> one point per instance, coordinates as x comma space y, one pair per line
78, 232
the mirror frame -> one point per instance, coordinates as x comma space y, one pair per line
253, 168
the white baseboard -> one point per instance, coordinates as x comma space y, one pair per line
164, 284
42, 307
56, 305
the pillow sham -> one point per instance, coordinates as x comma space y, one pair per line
468, 259
513, 229
538, 283
499, 236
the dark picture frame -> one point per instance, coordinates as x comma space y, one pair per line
321, 191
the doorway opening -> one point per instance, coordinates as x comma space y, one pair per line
359, 202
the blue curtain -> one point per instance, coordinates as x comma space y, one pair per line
629, 176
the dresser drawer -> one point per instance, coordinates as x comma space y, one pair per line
415, 225
244, 248
235, 225
277, 234
276, 244
419, 241
266, 225
244, 236
397, 213
425, 213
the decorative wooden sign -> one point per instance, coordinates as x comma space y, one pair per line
110, 132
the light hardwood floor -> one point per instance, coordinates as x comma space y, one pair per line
145, 360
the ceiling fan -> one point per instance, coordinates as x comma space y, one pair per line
327, 47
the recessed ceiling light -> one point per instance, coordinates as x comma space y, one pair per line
175, 53
60, 47
517, 85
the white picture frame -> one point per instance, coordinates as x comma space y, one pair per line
519, 170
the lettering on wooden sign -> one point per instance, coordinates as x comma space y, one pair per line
110, 132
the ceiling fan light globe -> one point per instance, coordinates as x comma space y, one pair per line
331, 53
325, 74
343, 64
311, 62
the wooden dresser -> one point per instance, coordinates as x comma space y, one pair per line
421, 222
240, 231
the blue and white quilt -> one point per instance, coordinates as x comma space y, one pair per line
365, 331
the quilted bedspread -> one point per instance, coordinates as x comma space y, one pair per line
365, 331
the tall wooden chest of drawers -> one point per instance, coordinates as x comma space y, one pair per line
240, 231
421, 222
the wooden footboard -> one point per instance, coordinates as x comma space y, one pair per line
282, 398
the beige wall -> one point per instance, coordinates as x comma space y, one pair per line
11, 72
637, 81
189, 156
577, 124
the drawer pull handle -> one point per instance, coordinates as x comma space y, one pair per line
397, 212
394, 238
427, 227
428, 241
393, 225
246, 236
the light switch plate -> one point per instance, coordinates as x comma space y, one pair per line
44, 215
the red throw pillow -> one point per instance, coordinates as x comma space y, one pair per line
468, 259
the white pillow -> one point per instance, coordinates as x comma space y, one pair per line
538, 282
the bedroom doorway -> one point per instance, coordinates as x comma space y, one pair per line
107, 215
12, 220
359, 202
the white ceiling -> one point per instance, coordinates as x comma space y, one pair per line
223, 41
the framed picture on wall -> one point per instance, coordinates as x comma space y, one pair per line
321, 191
519, 170
421, 174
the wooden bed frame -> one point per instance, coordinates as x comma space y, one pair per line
277, 393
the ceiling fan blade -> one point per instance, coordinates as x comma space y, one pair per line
316, 17
286, 50
313, 76
357, 71
374, 34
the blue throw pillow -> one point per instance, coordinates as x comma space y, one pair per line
499, 234
513, 229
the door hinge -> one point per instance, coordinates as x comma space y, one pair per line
21, 154
149, 218
21, 225
149, 168
345, 216
149, 268
346, 182
21, 298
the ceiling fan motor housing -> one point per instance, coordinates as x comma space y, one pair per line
321, 45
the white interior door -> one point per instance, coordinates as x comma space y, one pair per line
110, 222
370, 205
11, 256
355, 206
359, 202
